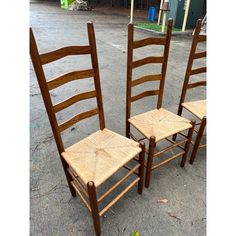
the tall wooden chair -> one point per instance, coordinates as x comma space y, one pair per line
158, 124
197, 108
95, 159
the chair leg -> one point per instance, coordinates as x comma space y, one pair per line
68, 177
94, 207
127, 129
198, 139
187, 144
141, 168
179, 113
152, 144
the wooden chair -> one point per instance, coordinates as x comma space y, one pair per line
93, 160
197, 108
158, 124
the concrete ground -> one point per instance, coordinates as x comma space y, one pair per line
53, 211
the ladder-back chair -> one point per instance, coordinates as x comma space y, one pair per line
197, 108
158, 124
93, 160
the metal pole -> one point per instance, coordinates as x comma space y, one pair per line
163, 21
159, 13
185, 15
132, 11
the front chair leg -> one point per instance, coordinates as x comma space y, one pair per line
152, 144
187, 144
94, 207
198, 139
141, 168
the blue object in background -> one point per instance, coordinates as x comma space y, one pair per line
152, 14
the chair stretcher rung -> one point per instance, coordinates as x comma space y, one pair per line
118, 183
106, 208
75, 177
168, 160
171, 141
81, 196
170, 147
202, 146
135, 139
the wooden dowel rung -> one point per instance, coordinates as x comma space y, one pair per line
170, 147
149, 41
171, 141
183, 135
202, 145
81, 196
75, 177
63, 52
106, 208
118, 183
168, 160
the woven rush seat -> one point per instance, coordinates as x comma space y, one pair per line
198, 108
159, 123
100, 155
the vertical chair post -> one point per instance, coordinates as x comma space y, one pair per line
152, 144
129, 76
141, 168
187, 144
198, 139
94, 207
35, 57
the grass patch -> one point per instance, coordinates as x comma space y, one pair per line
154, 26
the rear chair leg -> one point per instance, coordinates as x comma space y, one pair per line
141, 168
94, 207
198, 139
152, 144
187, 144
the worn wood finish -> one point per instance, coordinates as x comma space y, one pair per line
146, 78
73, 99
94, 59
141, 168
94, 207
149, 41
91, 161
77, 118
152, 144
68, 77
63, 52
198, 140
198, 108
144, 94
147, 60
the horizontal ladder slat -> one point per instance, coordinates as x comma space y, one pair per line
119, 182
196, 84
106, 208
146, 78
63, 52
198, 71
202, 38
149, 41
171, 141
147, 60
199, 55
76, 98
77, 118
68, 77
168, 160
170, 147
144, 94
80, 195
